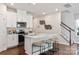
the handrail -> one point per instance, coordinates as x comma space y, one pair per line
67, 26
64, 38
64, 27
62, 35
68, 29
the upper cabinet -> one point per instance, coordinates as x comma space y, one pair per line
19, 16
11, 19
23, 16
30, 20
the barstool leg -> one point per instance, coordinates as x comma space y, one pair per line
32, 49
40, 49
44, 49
49, 49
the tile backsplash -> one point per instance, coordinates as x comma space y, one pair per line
11, 30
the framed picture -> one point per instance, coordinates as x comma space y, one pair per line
42, 22
48, 27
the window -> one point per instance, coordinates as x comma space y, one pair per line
77, 27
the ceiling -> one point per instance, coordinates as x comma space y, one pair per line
40, 9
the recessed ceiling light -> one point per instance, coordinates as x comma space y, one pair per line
34, 3
57, 9
12, 3
43, 13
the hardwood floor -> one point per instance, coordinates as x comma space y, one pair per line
67, 50
19, 50
63, 50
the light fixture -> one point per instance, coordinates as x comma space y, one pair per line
12, 3
34, 3
68, 5
56, 9
44, 13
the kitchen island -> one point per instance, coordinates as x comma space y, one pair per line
30, 39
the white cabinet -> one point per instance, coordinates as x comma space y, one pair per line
23, 16
3, 39
30, 20
12, 40
11, 19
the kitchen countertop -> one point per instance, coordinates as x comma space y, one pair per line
41, 35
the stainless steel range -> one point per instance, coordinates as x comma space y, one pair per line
21, 26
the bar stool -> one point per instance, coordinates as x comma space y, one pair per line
49, 42
40, 44
54, 44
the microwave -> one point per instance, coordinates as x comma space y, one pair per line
21, 24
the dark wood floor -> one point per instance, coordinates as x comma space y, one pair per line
19, 50
67, 50
63, 50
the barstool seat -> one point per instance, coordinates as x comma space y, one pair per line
49, 41
40, 43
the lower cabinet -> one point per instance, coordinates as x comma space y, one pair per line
12, 40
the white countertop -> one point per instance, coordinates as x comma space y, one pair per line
41, 35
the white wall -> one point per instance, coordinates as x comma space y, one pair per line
68, 19
53, 19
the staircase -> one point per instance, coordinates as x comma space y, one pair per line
62, 40
65, 36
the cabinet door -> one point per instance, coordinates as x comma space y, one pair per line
11, 19
29, 21
15, 40
20, 15
12, 40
